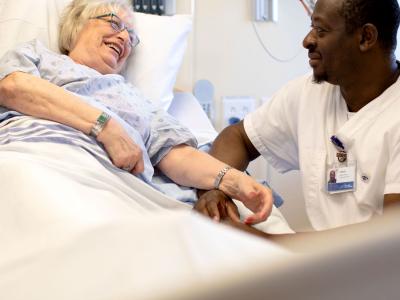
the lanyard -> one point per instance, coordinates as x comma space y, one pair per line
341, 153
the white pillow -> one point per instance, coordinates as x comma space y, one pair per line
153, 67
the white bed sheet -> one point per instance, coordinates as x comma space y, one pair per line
71, 229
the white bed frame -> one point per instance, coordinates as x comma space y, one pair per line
184, 256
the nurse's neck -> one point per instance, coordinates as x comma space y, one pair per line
369, 85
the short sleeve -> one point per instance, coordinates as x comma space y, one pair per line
24, 59
272, 128
165, 133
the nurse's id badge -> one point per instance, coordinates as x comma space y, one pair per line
341, 178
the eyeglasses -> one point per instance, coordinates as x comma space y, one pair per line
118, 25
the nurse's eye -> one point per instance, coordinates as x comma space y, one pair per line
319, 30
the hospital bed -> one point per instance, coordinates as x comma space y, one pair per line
137, 243
73, 229
153, 68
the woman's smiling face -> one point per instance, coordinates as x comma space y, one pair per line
100, 46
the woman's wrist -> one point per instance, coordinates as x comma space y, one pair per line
220, 176
229, 183
100, 123
109, 131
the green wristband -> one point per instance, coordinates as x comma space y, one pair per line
99, 124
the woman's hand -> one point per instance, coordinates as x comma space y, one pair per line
190, 167
37, 97
123, 152
252, 194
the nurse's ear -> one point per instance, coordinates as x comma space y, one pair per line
368, 37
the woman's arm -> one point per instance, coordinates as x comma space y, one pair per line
234, 147
190, 167
37, 97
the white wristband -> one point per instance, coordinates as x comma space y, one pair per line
220, 175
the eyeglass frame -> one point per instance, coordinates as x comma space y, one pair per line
119, 26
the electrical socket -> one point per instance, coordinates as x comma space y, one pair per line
236, 108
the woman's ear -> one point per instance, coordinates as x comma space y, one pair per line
368, 36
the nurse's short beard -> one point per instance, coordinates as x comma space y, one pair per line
320, 78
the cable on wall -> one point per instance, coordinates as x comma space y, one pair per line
308, 5
269, 53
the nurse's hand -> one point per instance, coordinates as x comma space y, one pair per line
218, 206
123, 152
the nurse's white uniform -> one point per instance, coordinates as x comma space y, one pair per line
293, 132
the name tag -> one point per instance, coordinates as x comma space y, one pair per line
341, 179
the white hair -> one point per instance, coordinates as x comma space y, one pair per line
78, 12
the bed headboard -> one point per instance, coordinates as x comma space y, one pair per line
155, 7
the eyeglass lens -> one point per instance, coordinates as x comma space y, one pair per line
118, 25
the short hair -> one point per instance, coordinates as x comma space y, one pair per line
384, 14
78, 12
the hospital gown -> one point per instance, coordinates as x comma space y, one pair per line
154, 130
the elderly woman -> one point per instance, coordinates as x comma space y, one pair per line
87, 104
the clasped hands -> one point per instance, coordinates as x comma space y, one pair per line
127, 155
219, 206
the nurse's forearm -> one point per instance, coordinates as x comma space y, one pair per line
391, 200
37, 97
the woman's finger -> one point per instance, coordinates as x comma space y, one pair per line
139, 167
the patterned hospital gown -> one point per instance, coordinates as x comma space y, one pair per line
154, 130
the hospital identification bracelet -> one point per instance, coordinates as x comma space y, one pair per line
99, 124
220, 175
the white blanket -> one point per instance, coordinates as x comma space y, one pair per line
73, 229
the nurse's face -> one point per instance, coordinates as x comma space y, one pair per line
105, 42
331, 49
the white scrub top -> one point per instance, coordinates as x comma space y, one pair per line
293, 132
